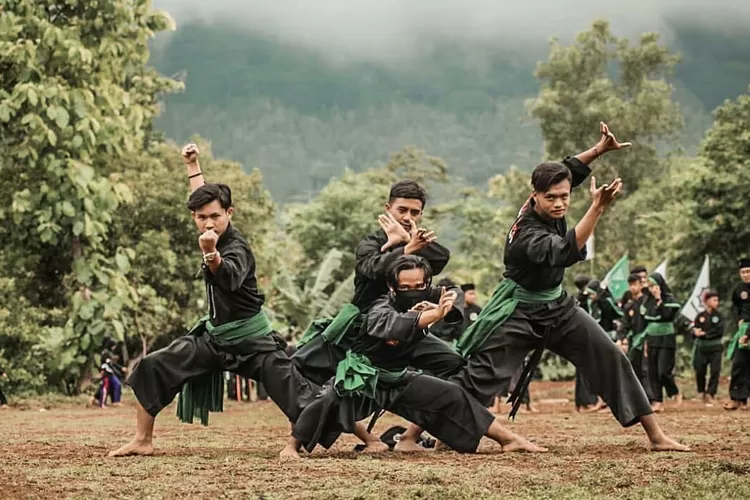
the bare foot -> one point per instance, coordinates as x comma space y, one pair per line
668, 444
710, 401
289, 453
523, 445
657, 407
375, 447
531, 408
135, 447
4, 407
116, 404
678, 399
733, 405
408, 446
441, 446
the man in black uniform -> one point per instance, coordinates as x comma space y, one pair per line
326, 342
739, 348
631, 335
375, 374
708, 331
529, 309
236, 336
472, 309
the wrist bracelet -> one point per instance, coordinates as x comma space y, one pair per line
195, 175
210, 257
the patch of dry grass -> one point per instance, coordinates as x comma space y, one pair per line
60, 453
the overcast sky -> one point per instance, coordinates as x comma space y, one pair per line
376, 29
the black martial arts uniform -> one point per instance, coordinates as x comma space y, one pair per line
233, 297
536, 255
661, 340
388, 341
318, 357
633, 329
604, 310
707, 351
739, 385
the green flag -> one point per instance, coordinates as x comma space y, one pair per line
617, 277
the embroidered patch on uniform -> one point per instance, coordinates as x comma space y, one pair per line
702, 319
473, 316
715, 319
631, 313
392, 342
743, 295
643, 310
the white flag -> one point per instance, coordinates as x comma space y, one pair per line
662, 269
590, 248
694, 305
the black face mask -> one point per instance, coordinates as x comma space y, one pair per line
407, 299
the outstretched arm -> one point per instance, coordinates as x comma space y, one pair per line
607, 142
195, 175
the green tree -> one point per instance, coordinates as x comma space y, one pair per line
604, 78
75, 97
712, 199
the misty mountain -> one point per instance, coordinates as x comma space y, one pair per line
301, 116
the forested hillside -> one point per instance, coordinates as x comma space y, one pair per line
302, 119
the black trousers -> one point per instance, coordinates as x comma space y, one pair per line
584, 395
640, 367
661, 372
158, 377
701, 362
739, 386
3, 400
431, 355
443, 409
577, 337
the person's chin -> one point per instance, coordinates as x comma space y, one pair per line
557, 215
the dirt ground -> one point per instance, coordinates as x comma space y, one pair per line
59, 452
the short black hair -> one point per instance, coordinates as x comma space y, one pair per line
710, 294
446, 282
208, 193
548, 174
639, 269
581, 281
466, 287
408, 189
405, 263
633, 278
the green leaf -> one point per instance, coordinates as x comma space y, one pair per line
123, 264
51, 137
52, 112
32, 97
62, 118
68, 209
85, 341
78, 228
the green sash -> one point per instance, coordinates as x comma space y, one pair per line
636, 341
204, 394
735, 342
501, 306
701, 343
356, 375
659, 329
332, 329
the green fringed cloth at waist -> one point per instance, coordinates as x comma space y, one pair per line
506, 297
356, 376
659, 329
204, 394
735, 342
333, 329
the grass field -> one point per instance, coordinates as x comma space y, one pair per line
60, 453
